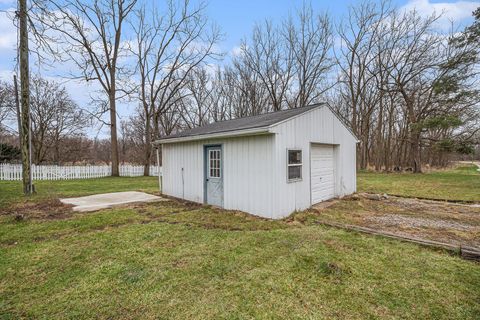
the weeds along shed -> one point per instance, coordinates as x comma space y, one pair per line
268, 165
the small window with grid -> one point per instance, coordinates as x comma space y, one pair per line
294, 165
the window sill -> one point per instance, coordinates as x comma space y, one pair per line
294, 180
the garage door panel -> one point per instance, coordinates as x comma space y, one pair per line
324, 181
323, 173
324, 184
322, 177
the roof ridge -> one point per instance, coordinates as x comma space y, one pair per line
267, 113
254, 121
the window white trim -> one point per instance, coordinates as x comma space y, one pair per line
289, 165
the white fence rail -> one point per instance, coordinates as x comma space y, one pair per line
41, 172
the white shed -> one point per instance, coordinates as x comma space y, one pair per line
268, 165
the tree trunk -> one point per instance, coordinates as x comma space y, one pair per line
379, 136
414, 139
415, 150
148, 145
25, 99
364, 138
388, 147
113, 132
56, 153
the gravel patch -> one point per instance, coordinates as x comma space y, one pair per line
399, 220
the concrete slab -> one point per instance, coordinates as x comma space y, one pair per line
108, 200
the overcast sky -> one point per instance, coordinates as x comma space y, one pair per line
236, 20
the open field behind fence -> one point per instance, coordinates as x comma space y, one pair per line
43, 172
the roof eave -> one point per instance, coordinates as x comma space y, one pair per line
226, 134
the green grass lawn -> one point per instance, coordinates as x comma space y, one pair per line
171, 261
462, 183
182, 261
11, 191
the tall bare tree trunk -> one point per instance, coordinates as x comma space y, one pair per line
413, 137
415, 150
113, 133
148, 146
25, 99
379, 139
388, 146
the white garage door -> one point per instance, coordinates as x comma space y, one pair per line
322, 173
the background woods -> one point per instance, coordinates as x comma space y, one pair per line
410, 93
408, 89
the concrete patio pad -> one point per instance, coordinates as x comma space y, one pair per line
108, 200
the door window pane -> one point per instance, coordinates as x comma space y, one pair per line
214, 162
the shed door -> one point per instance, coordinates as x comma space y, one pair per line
214, 176
322, 173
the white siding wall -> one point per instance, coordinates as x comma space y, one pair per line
317, 126
189, 156
247, 172
255, 167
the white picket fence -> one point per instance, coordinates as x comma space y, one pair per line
43, 172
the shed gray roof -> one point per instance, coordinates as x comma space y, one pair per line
259, 121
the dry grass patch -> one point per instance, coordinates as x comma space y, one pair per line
45, 209
440, 221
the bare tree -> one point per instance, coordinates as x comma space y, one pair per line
435, 80
196, 107
91, 34
100, 151
169, 47
74, 149
7, 104
268, 56
280, 66
310, 38
221, 106
407, 90
25, 98
243, 91
54, 117
171, 120
358, 37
